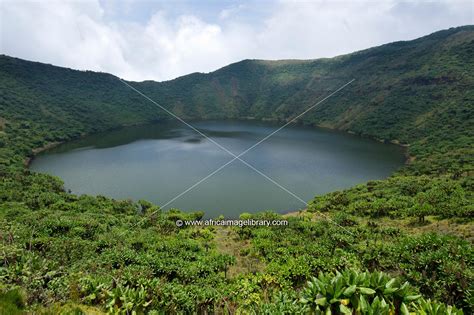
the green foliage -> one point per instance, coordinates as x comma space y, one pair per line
399, 196
69, 253
12, 302
428, 307
357, 292
352, 292
439, 266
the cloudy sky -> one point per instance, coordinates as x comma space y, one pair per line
161, 40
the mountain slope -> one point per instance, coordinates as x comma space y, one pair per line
417, 92
404, 91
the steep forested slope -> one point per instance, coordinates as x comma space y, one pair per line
62, 252
41, 103
405, 91
411, 91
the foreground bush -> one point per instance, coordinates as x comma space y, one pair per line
352, 292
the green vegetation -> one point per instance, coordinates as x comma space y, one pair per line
399, 196
399, 245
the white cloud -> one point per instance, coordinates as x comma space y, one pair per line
79, 34
68, 34
230, 11
326, 29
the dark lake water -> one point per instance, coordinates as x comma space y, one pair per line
158, 162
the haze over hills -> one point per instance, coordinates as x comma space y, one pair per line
64, 253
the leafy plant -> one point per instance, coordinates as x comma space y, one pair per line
350, 291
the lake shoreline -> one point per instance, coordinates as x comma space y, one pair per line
330, 141
51, 145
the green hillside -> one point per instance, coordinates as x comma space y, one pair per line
410, 91
68, 253
405, 91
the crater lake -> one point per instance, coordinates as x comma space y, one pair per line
162, 162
